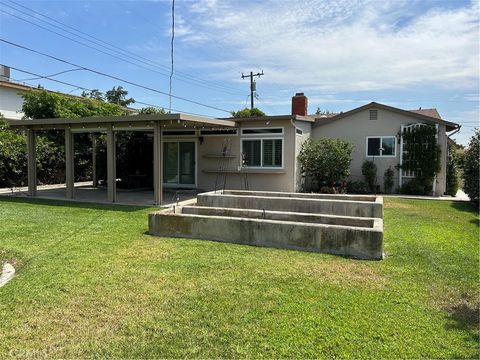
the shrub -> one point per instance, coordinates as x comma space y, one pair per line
472, 167
369, 171
326, 160
13, 157
327, 190
357, 187
415, 187
422, 156
388, 180
452, 171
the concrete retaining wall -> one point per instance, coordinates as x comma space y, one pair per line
280, 215
358, 242
341, 205
369, 198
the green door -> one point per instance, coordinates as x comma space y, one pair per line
179, 163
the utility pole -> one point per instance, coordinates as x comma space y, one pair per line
253, 84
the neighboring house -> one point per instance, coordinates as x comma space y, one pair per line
11, 100
375, 130
258, 153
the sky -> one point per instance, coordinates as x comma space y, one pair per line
341, 54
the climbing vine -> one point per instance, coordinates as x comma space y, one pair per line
422, 156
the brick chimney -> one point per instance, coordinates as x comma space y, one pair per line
299, 104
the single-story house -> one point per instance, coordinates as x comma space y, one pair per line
256, 153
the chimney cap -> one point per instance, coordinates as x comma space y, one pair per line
299, 94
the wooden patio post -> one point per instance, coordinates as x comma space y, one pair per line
111, 165
31, 162
157, 163
69, 163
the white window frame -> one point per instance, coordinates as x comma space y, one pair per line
261, 137
381, 137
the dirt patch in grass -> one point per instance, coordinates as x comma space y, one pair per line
398, 205
348, 272
462, 306
13, 258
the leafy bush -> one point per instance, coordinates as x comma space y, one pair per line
357, 187
326, 160
247, 113
415, 187
13, 157
422, 156
327, 190
452, 171
369, 171
388, 180
472, 167
42, 104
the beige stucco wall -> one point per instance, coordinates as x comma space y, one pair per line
356, 127
263, 179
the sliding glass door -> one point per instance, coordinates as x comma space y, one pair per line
179, 163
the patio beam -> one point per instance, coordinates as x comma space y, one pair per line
157, 163
111, 165
69, 163
31, 162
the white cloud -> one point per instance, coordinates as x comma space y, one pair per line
343, 45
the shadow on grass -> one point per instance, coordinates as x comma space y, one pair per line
466, 207
73, 204
465, 317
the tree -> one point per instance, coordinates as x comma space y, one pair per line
326, 160
452, 169
151, 110
94, 94
41, 104
322, 112
248, 113
471, 172
117, 95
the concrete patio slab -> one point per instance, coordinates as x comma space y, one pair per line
86, 192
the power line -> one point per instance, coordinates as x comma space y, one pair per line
78, 87
111, 76
48, 76
113, 48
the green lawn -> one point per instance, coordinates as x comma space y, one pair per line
92, 283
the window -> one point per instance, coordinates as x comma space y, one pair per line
373, 114
218, 132
381, 146
262, 152
178, 132
260, 131
299, 131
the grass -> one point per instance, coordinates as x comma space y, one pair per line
92, 283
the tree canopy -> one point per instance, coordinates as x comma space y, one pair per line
248, 113
42, 104
118, 95
151, 110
